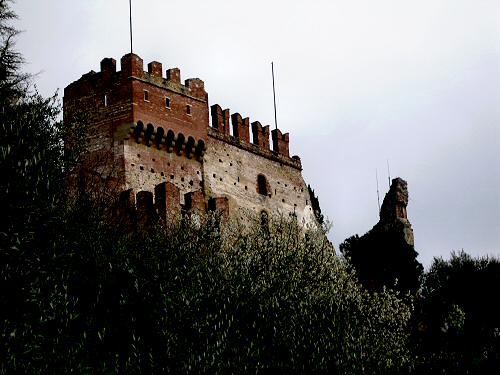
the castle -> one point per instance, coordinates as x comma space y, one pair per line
153, 137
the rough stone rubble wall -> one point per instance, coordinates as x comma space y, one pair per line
232, 172
146, 167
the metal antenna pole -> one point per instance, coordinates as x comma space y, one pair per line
378, 194
388, 173
130, 14
274, 97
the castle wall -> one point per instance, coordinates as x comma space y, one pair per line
147, 130
109, 103
232, 172
147, 167
100, 104
101, 101
175, 115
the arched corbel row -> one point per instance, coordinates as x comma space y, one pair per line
159, 138
190, 147
167, 141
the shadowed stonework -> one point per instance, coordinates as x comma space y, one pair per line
385, 256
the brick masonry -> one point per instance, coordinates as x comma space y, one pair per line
154, 134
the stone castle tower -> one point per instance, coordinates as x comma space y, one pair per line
152, 136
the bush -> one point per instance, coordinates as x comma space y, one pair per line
384, 259
80, 295
458, 318
193, 299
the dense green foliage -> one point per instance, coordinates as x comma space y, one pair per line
89, 299
13, 83
383, 259
459, 316
31, 163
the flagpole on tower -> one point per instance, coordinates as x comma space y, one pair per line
378, 194
274, 97
388, 173
130, 14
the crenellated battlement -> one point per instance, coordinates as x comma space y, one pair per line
108, 67
145, 207
109, 87
241, 127
280, 142
132, 66
173, 154
260, 135
238, 133
220, 119
294, 161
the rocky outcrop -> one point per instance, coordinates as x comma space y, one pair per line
393, 214
385, 256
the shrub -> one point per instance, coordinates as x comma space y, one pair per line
88, 298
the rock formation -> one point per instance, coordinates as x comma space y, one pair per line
393, 215
385, 256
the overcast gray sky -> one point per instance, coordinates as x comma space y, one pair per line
358, 83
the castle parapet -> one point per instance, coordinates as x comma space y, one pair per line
108, 67
260, 135
240, 136
155, 69
167, 198
109, 87
220, 121
195, 86
220, 206
220, 118
146, 214
132, 66
142, 209
174, 75
241, 127
194, 202
280, 142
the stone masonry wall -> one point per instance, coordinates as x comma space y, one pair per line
154, 131
147, 167
231, 171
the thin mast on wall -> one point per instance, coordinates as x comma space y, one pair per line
388, 173
274, 97
130, 23
378, 194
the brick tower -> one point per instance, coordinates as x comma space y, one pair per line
150, 135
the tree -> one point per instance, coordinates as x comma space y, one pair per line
80, 296
385, 256
192, 298
458, 317
31, 149
31, 166
383, 259
13, 83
